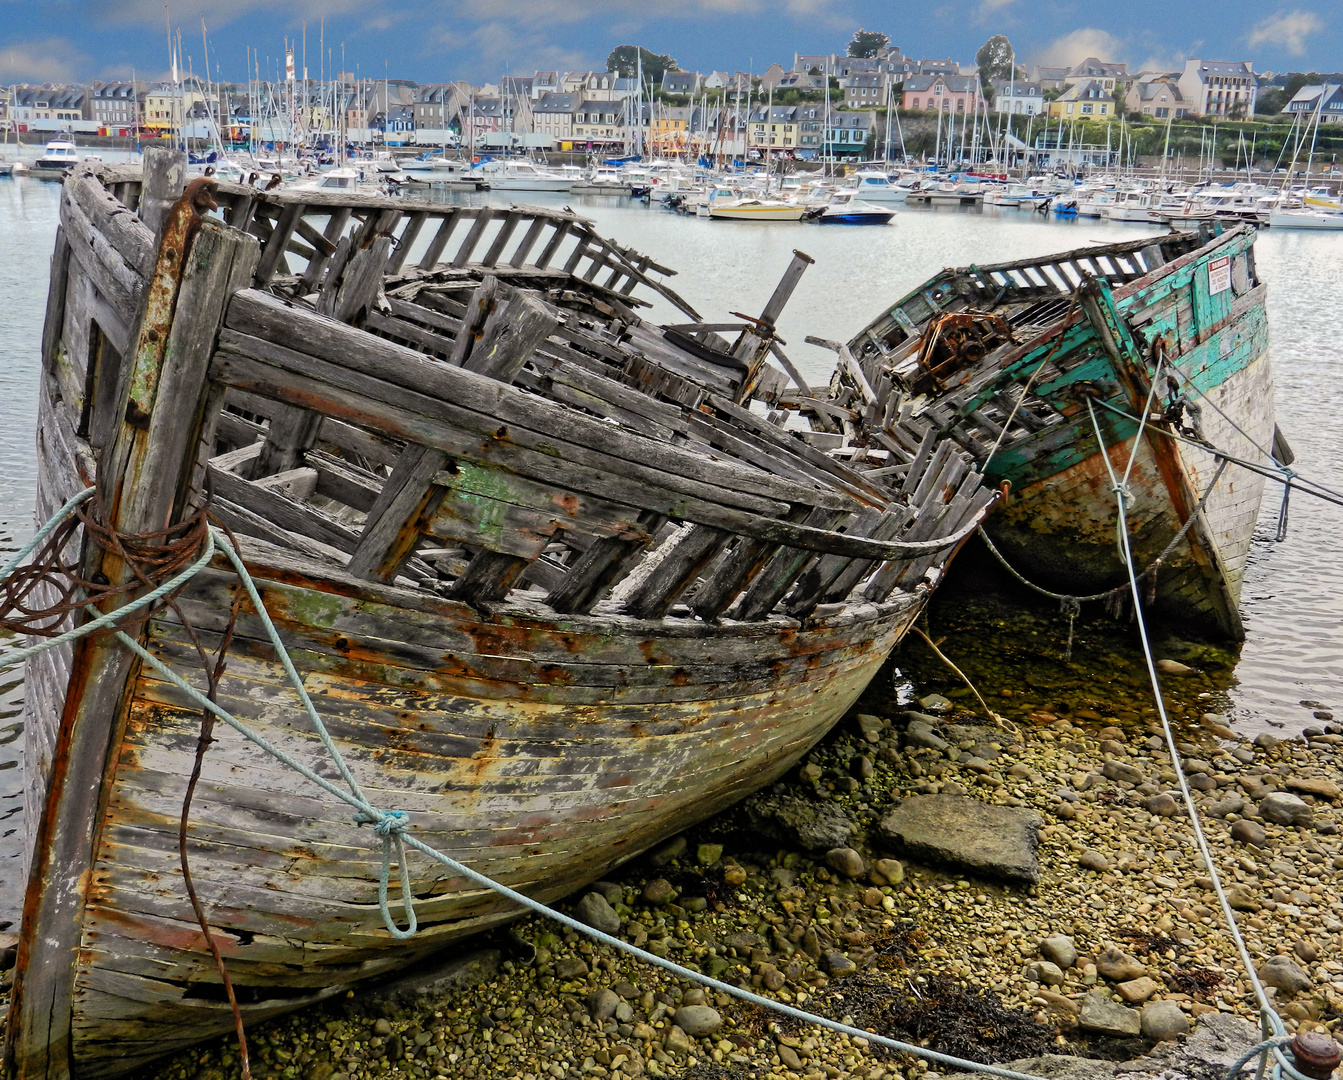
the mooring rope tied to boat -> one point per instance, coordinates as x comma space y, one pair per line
391, 826
1272, 1023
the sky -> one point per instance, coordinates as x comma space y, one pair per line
480, 40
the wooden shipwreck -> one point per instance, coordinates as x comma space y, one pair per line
560, 581
1004, 360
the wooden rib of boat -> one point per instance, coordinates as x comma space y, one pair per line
1027, 344
559, 581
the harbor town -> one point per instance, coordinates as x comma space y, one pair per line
489, 590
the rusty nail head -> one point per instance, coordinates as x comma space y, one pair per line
151, 333
1316, 1054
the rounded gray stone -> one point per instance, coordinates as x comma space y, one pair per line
1163, 1020
697, 1020
1286, 974
846, 861
1249, 832
602, 1003
1059, 950
597, 913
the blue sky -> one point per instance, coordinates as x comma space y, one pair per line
480, 39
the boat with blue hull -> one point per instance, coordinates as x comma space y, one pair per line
843, 209
1042, 369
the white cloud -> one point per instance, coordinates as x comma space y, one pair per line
1288, 29
1075, 47
49, 60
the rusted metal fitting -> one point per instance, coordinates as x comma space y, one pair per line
1315, 1054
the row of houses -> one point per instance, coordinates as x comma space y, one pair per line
557, 108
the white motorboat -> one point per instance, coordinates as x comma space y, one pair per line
1137, 205
524, 176
844, 209
1305, 219
59, 154
873, 185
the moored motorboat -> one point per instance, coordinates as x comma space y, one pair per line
843, 209
555, 588
1305, 219
1024, 362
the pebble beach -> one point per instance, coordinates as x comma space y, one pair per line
993, 886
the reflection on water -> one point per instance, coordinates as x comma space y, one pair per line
1294, 590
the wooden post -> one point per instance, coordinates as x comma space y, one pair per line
165, 176
144, 484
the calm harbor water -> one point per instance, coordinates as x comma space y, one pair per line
1293, 599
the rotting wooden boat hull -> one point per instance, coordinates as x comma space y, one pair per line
541, 772
1058, 525
556, 590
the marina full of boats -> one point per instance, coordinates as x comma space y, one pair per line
770, 191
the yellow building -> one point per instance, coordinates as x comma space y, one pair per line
166, 106
773, 129
1084, 101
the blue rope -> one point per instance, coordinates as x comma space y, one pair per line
1274, 1045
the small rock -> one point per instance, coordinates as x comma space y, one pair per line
1162, 805
893, 870
919, 732
1314, 785
571, 967
1283, 809
1101, 1015
1122, 772
1306, 952
813, 826
1059, 950
597, 913
1164, 1020
677, 1042
1118, 966
935, 703
697, 1020
672, 850
602, 1003
1059, 1003
382, 1026
1174, 667
1093, 860
1045, 972
836, 963
1265, 741
846, 861
789, 1057
1137, 990
708, 854
862, 767
1284, 973
659, 892
1242, 897
1232, 804
869, 724
1249, 832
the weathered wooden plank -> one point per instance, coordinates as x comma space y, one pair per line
434, 252
56, 294
284, 512
409, 234
469, 242
142, 484
686, 556
602, 566
335, 226
403, 507
779, 575
510, 336
361, 281
290, 433
478, 310
164, 177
